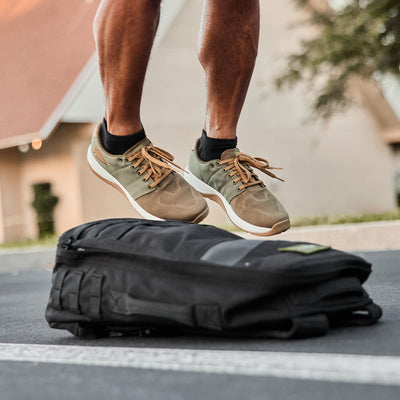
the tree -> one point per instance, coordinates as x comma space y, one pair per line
361, 40
44, 203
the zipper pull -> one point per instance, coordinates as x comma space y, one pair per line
67, 245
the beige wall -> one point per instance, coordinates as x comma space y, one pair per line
53, 163
396, 159
12, 219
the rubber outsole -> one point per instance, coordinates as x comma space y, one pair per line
106, 177
212, 194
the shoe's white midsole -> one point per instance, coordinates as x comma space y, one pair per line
108, 177
202, 187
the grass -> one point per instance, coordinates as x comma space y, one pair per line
347, 219
48, 241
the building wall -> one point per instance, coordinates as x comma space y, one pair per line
12, 223
396, 162
62, 162
53, 163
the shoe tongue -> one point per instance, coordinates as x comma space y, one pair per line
230, 153
137, 147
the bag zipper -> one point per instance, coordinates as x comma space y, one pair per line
80, 250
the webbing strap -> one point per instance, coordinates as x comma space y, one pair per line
208, 316
124, 304
74, 284
95, 295
57, 287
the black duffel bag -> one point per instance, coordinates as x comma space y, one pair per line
133, 276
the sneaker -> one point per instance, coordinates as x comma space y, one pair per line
232, 183
147, 176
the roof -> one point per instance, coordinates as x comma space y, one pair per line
45, 46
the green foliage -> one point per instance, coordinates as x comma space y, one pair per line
360, 40
44, 204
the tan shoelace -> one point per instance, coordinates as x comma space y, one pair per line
241, 166
155, 162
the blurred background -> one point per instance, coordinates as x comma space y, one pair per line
344, 160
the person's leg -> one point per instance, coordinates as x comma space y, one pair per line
124, 34
120, 153
228, 50
228, 47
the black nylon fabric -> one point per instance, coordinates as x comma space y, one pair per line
136, 276
164, 239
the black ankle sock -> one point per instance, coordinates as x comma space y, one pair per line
211, 149
115, 144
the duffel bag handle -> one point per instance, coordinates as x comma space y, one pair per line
123, 304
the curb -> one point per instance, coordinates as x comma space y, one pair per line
366, 236
24, 259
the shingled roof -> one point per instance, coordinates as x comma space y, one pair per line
44, 46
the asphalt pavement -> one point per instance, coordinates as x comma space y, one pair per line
37, 362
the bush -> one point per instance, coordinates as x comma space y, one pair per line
44, 203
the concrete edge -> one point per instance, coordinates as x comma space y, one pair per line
366, 236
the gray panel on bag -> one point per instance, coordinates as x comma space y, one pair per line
230, 252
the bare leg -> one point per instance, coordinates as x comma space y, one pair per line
228, 47
124, 33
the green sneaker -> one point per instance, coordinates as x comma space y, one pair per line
147, 176
232, 183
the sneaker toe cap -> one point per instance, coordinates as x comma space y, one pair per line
175, 200
260, 210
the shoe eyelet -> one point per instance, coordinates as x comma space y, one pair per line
238, 189
212, 165
120, 159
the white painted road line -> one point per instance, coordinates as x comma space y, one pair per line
362, 369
